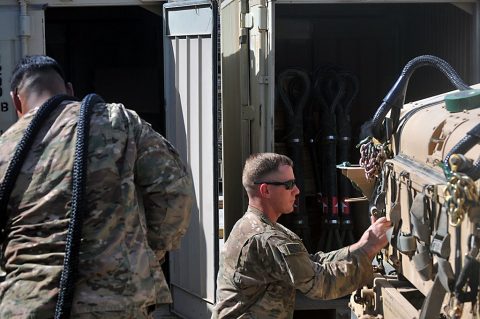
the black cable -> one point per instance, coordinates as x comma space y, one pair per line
466, 143
396, 96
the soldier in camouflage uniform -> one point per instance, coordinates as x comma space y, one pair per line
264, 262
138, 193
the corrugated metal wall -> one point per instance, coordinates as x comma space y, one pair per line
191, 125
10, 52
8, 22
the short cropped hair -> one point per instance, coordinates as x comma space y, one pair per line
259, 165
32, 64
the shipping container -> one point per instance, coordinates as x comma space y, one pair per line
164, 60
158, 59
371, 40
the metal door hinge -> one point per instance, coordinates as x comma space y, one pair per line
248, 113
25, 26
256, 18
263, 79
246, 21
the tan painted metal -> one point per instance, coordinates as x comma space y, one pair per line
427, 136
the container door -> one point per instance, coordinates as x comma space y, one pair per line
247, 88
20, 34
190, 57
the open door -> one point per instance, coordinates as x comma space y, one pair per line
21, 33
247, 95
190, 75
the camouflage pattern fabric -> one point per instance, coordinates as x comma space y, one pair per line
264, 263
139, 197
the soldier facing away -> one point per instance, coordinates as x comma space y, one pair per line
138, 203
264, 262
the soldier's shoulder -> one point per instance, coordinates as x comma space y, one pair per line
286, 232
248, 226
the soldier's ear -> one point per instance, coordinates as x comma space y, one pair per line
69, 87
17, 102
264, 191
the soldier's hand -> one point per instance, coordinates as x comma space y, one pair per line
374, 238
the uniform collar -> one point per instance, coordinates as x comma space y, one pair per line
260, 214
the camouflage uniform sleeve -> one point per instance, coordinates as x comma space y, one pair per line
166, 188
337, 278
331, 278
321, 257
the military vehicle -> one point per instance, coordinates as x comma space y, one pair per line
225, 79
419, 166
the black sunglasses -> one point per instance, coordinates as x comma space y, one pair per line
288, 184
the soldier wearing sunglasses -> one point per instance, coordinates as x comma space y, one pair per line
264, 263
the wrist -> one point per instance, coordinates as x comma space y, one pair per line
363, 249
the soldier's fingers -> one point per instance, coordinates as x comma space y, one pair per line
383, 222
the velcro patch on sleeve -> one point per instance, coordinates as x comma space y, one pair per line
292, 248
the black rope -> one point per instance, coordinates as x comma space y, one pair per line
311, 140
67, 280
329, 94
21, 151
72, 246
293, 87
344, 132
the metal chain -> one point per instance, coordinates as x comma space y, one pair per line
460, 194
372, 157
454, 307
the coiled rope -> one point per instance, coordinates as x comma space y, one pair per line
74, 234
72, 246
21, 151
